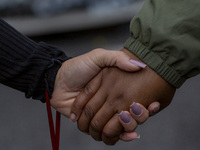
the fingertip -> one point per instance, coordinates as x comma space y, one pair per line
127, 66
139, 112
154, 108
73, 117
124, 117
124, 62
129, 136
137, 63
136, 109
75, 113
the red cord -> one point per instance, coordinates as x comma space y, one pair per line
55, 135
57, 129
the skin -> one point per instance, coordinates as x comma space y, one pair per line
128, 135
75, 73
114, 90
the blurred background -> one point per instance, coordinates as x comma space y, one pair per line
78, 26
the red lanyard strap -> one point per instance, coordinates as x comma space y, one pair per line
55, 135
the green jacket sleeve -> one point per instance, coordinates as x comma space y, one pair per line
165, 34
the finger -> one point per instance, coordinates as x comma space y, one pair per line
124, 62
129, 125
127, 121
66, 108
112, 131
104, 114
154, 108
118, 59
85, 95
59, 99
129, 136
90, 110
139, 112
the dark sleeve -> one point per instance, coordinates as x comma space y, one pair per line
26, 65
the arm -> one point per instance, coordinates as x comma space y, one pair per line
25, 64
164, 35
75, 73
116, 91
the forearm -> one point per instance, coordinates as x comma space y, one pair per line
165, 35
24, 64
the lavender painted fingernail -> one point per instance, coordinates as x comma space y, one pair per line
137, 63
125, 117
136, 109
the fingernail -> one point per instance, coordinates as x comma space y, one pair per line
125, 117
156, 109
137, 63
72, 117
138, 136
136, 109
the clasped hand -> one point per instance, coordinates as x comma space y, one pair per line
103, 84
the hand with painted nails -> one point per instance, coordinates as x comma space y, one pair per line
114, 90
137, 114
75, 73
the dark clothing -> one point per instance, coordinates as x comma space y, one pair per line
25, 65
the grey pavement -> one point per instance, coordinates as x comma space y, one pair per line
24, 124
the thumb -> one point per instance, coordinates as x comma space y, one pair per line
106, 58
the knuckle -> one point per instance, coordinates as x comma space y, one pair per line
108, 134
110, 138
111, 133
98, 49
77, 105
88, 90
120, 96
81, 128
88, 112
95, 126
111, 141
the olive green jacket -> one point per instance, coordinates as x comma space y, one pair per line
165, 34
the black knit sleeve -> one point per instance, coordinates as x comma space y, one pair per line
26, 65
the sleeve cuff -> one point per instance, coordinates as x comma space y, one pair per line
155, 62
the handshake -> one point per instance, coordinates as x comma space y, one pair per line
109, 93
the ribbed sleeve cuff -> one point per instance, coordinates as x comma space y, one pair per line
51, 58
25, 65
154, 62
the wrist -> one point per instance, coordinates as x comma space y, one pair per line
158, 80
